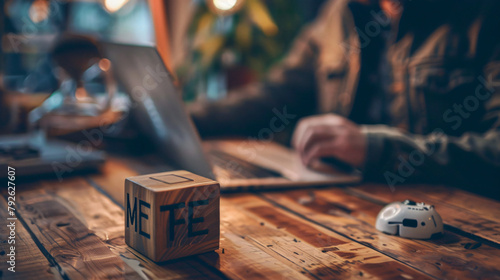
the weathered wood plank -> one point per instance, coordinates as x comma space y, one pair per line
31, 263
79, 253
252, 245
104, 219
459, 209
281, 260
452, 256
112, 178
483, 206
236, 258
305, 247
240, 259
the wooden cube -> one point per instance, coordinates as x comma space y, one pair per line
172, 215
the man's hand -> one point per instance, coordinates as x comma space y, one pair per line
329, 136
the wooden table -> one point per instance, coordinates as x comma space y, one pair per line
74, 229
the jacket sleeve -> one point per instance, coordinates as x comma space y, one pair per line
471, 160
288, 93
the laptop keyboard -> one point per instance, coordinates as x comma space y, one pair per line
236, 168
18, 152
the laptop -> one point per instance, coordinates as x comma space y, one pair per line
33, 154
236, 164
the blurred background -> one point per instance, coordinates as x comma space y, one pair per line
211, 46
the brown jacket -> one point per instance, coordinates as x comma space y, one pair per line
443, 102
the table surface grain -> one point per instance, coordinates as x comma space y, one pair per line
74, 229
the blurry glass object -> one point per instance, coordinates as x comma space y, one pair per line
86, 86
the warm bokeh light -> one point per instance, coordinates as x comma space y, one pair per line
225, 5
81, 94
104, 64
114, 5
39, 11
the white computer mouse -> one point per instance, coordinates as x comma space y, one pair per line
410, 219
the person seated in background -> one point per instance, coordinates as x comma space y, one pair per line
406, 91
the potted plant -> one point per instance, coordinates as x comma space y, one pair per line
234, 42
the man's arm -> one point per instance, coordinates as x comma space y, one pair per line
288, 93
472, 160
389, 155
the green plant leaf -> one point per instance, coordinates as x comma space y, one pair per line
210, 48
244, 34
260, 16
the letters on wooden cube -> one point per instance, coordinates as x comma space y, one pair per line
172, 215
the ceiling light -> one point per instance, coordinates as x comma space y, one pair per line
114, 5
225, 5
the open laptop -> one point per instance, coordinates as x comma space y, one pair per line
236, 164
33, 154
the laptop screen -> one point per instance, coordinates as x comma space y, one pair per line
157, 106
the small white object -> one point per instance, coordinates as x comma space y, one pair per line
225, 5
410, 220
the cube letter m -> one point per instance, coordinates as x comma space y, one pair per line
131, 213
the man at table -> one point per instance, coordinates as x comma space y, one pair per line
406, 91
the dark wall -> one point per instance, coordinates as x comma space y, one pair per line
311, 8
